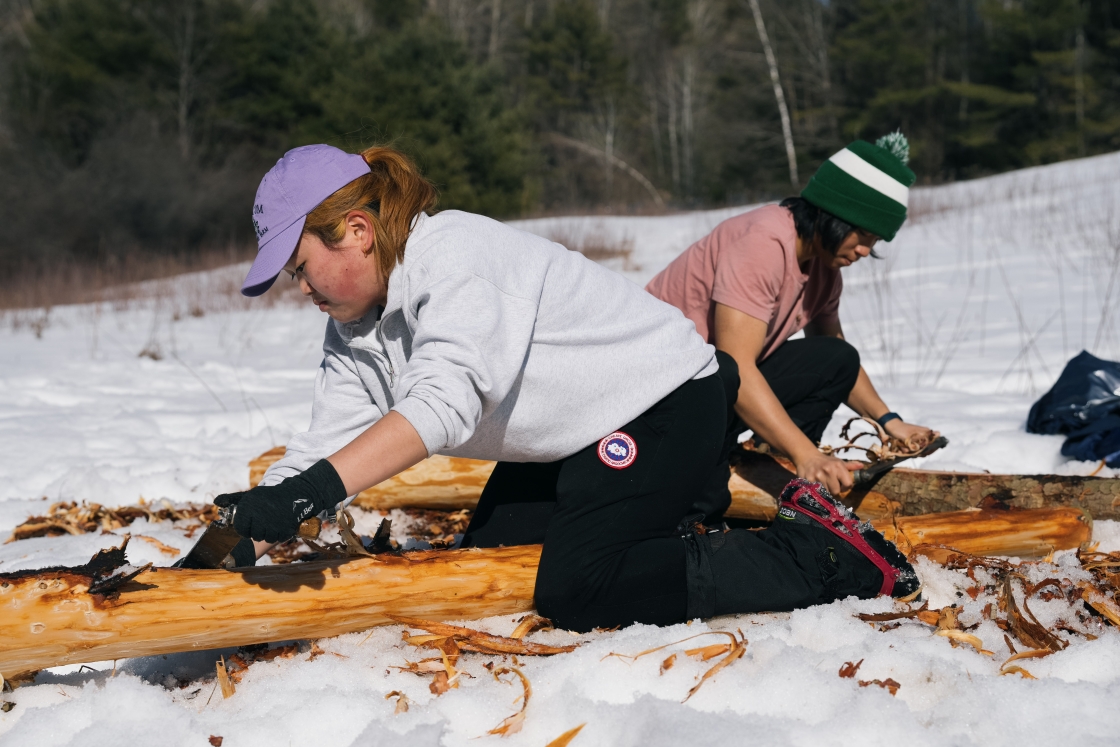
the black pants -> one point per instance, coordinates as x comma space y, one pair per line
811, 377
620, 545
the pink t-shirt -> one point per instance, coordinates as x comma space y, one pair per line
749, 263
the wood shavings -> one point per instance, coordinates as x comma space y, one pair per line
475, 640
440, 683
402, 701
880, 445
237, 666
68, 517
923, 613
1026, 627
1015, 669
1012, 613
530, 623
424, 666
1037, 653
163, 548
224, 682
709, 652
513, 724
564, 739
959, 636
1102, 604
350, 545
888, 684
438, 528
450, 640
734, 649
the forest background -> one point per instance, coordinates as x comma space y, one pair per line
137, 130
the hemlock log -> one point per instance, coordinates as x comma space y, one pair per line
49, 618
918, 491
452, 483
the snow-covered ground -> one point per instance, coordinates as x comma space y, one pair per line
978, 303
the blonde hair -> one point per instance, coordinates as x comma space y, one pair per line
392, 195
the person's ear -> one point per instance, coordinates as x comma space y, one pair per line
361, 228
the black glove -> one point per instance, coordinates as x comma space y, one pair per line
244, 553
273, 513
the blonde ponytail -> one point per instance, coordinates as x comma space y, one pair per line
392, 195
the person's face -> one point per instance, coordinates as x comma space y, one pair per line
342, 280
857, 245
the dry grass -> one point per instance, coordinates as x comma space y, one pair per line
591, 243
175, 286
115, 280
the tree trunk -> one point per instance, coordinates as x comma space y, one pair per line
186, 79
915, 491
783, 110
671, 121
612, 159
48, 618
495, 28
450, 483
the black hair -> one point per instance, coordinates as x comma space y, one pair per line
810, 222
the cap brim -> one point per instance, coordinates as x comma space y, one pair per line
271, 259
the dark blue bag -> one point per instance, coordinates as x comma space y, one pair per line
1083, 404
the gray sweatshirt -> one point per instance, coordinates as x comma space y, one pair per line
497, 344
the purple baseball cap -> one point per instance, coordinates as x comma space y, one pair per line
291, 189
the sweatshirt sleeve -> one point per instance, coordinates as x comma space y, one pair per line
341, 409
470, 343
750, 274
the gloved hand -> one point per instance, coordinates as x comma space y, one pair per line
273, 513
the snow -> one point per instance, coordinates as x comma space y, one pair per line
977, 305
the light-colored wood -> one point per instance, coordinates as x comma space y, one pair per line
437, 483
452, 483
748, 501
1019, 532
48, 619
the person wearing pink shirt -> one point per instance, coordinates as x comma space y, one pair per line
762, 276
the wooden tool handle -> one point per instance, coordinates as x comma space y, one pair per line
310, 528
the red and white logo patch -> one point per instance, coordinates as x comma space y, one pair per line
618, 450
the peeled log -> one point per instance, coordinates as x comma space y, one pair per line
48, 619
452, 483
437, 483
1020, 532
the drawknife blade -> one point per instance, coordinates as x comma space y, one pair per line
215, 544
867, 474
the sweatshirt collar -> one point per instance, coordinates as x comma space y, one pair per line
395, 296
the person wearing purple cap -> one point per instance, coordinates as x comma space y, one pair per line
454, 334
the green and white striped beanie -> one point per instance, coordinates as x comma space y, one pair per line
866, 185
